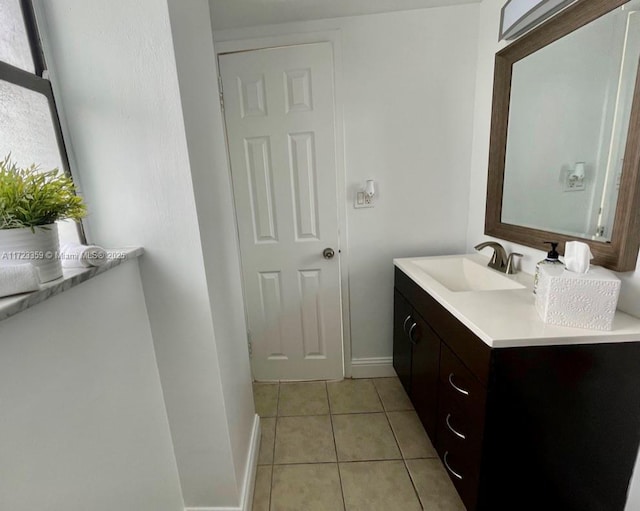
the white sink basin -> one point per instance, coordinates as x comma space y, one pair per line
463, 274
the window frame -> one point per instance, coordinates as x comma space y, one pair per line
38, 81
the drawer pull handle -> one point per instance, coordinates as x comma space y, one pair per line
457, 433
404, 325
411, 339
446, 464
462, 391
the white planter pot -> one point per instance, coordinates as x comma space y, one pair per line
40, 248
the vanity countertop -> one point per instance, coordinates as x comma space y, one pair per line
508, 318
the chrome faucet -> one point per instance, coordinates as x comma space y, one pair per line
499, 260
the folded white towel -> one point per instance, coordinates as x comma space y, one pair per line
18, 278
74, 255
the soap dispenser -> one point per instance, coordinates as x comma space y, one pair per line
551, 259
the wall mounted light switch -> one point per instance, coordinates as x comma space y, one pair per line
361, 201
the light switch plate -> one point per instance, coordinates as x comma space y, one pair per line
361, 201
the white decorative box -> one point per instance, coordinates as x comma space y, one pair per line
582, 300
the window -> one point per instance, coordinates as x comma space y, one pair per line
29, 123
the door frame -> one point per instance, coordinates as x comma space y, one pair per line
334, 37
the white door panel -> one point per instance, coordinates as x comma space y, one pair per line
279, 113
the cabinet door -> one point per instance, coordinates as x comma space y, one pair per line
402, 320
424, 373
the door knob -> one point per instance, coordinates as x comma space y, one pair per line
328, 253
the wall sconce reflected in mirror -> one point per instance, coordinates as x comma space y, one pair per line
518, 16
369, 190
577, 174
575, 178
365, 198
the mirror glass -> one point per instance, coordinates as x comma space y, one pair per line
569, 113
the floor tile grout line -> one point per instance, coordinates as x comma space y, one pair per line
406, 467
415, 488
358, 413
304, 415
333, 462
344, 501
404, 459
306, 463
368, 460
273, 457
326, 386
375, 460
373, 383
344, 461
335, 446
384, 407
395, 436
337, 461
329, 413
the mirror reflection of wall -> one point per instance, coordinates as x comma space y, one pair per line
570, 103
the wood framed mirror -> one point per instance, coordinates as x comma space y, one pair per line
545, 134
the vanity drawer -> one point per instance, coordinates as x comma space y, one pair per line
460, 391
461, 418
462, 467
462, 429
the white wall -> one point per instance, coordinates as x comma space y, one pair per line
249, 13
407, 89
119, 87
204, 128
487, 47
84, 424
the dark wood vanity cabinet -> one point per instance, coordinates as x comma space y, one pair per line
416, 359
402, 346
527, 428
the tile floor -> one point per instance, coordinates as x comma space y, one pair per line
353, 445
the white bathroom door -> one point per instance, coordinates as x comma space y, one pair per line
280, 119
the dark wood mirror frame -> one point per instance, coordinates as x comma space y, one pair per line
622, 252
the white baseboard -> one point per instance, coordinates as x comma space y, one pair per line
376, 367
248, 485
211, 509
249, 482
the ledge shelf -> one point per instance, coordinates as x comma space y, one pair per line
12, 305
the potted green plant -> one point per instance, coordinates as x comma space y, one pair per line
31, 201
